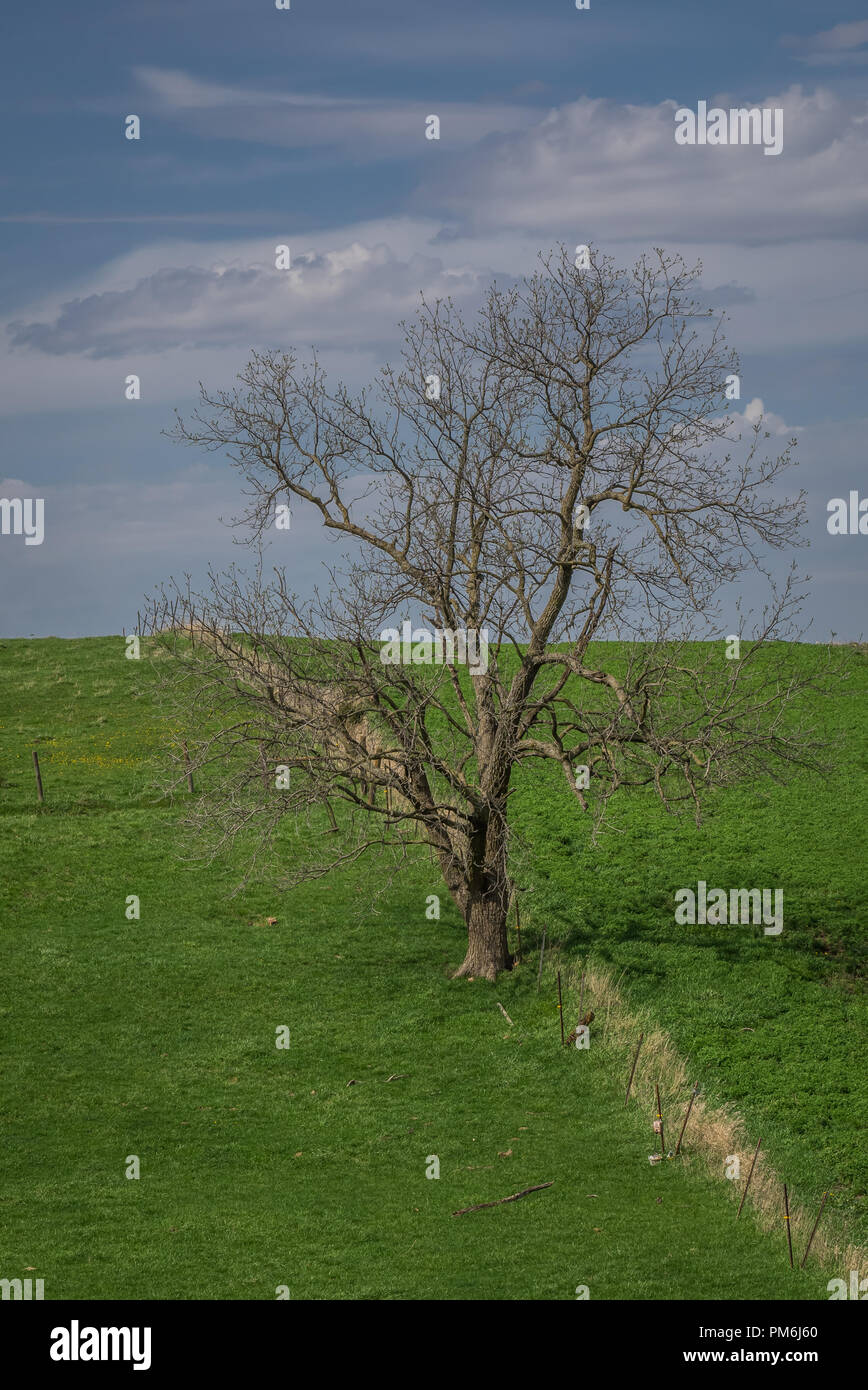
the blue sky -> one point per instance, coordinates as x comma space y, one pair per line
307, 127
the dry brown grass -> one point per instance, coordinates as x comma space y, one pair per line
713, 1132
333, 714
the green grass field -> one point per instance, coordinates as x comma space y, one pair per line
117, 1036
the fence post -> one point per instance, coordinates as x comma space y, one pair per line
788, 1225
633, 1069
813, 1232
749, 1176
39, 791
686, 1118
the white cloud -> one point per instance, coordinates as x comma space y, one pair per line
349, 289
594, 169
370, 129
843, 45
352, 287
328, 297
756, 413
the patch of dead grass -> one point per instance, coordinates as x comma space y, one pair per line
714, 1132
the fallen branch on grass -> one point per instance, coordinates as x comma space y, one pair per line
514, 1198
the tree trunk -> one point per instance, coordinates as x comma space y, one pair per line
488, 950
483, 895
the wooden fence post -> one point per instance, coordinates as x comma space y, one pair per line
787, 1221
813, 1232
39, 792
686, 1118
659, 1118
633, 1069
749, 1176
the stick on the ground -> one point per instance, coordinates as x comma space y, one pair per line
561, 1008
517, 932
686, 1118
749, 1176
814, 1231
503, 1011
39, 791
582, 996
633, 1070
787, 1220
514, 1198
541, 954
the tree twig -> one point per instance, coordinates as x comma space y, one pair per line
514, 1198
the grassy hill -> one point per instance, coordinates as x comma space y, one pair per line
263, 1167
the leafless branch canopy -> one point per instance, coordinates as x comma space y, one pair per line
574, 478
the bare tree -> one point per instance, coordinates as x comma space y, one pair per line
562, 471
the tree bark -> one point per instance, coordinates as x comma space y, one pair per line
488, 950
486, 889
